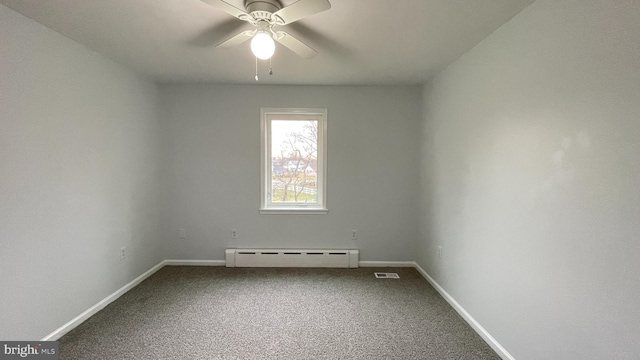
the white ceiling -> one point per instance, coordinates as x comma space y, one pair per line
360, 42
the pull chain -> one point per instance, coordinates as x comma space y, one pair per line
256, 68
270, 69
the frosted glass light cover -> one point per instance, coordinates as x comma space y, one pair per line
262, 45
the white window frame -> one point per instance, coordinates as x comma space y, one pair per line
268, 114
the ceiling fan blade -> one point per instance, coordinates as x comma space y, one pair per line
219, 32
237, 39
299, 10
228, 8
295, 45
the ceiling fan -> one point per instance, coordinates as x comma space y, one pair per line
266, 16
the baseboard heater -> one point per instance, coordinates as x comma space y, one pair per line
291, 258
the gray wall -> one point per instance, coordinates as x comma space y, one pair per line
526, 172
212, 149
531, 178
78, 178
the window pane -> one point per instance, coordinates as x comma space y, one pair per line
294, 161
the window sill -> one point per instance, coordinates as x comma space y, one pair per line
289, 211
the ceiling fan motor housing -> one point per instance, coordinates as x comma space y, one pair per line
262, 9
265, 15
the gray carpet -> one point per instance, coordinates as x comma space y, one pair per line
239, 313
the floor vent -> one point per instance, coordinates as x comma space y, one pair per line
291, 258
387, 275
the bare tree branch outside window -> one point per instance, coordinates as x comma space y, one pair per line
294, 161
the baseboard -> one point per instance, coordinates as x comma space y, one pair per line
386, 263
174, 262
495, 345
58, 333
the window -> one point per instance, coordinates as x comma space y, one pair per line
293, 161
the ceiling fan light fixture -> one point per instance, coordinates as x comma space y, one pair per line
262, 45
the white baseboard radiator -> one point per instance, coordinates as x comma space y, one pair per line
292, 258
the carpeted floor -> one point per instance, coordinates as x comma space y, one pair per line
239, 313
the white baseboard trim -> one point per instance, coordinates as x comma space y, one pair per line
495, 345
386, 263
59, 332
173, 262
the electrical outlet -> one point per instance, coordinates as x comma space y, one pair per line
123, 253
183, 233
439, 252
354, 234
234, 233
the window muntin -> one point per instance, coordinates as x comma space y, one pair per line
293, 166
